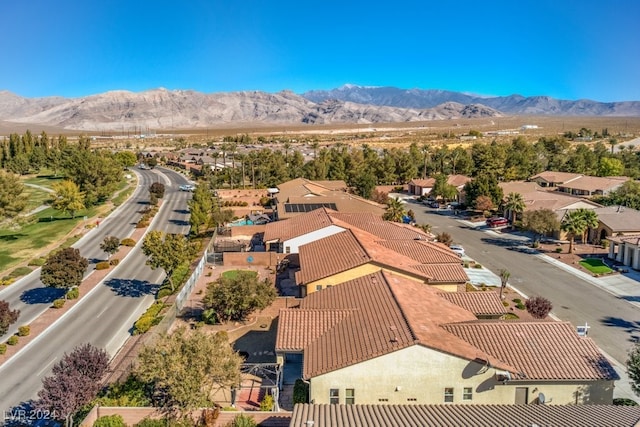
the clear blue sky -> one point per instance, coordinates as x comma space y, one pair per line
568, 49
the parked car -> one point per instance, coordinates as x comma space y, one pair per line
497, 222
187, 187
457, 249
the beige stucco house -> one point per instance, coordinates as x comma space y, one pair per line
385, 339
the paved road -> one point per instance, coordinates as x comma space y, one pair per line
104, 317
32, 298
615, 323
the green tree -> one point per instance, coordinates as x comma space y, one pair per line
12, 198
395, 210
157, 189
633, 368
483, 185
201, 207
97, 174
235, 298
126, 159
541, 222
7, 317
67, 197
441, 188
514, 204
64, 269
110, 245
186, 369
166, 251
574, 225
610, 166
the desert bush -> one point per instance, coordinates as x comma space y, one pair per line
520, 306
128, 242
163, 292
148, 319
6, 281
24, 330
558, 250
266, 404
114, 261
3, 348
110, 421
621, 401
59, 303
242, 420
517, 300
102, 265
73, 293
151, 422
13, 340
538, 307
37, 262
476, 265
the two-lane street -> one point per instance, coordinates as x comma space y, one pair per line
104, 317
611, 319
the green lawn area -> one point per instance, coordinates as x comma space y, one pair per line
595, 265
232, 274
45, 178
23, 244
36, 196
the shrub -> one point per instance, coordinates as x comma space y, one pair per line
110, 421
242, 420
266, 404
3, 348
59, 303
476, 265
300, 392
151, 422
7, 281
24, 331
73, 293
621, 401
148, 319
180, 275
539, 307
505, 303
128, 242
558, 250
520, 306
163, 292
37, 262
605, 244
102, 265
114, 261
13, 340
517, 300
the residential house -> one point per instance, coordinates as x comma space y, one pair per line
405, 415
287, 236
384, 339
302, 195
422, 187
578, 184
355, 253
616, 221
625, 250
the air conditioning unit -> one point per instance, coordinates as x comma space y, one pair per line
503, 376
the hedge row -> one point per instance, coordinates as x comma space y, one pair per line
148, 319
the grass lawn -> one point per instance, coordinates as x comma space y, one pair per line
23, 244
232, 274
36, 196
595, 265
45, 178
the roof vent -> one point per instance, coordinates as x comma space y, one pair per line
394, 339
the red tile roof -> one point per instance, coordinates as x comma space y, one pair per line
443, 273
383, 312
479, 303
539, 350
305, 415
424, 252
297, 226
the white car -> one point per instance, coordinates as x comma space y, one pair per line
457, 249
187, 187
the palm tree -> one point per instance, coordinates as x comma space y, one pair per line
504, 278
514, 204
574, 225
395, 210
590, 218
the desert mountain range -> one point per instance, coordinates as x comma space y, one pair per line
186, 109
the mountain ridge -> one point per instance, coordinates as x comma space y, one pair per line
183, 109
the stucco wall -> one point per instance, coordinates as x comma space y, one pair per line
419, 375
296, 242
268, 259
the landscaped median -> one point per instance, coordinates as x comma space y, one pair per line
52, 314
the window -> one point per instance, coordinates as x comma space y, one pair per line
350, 396
287, 249
318, 287
334, 396
448, 395
412, 399
467, 393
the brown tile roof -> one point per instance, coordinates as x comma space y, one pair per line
536, 197
325, 415
634, 239
303, 326
424, 252
595, 183
619, 219
455, 180
556, 177
297, 226
479, 303
443, 273
346, 250
539, 350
